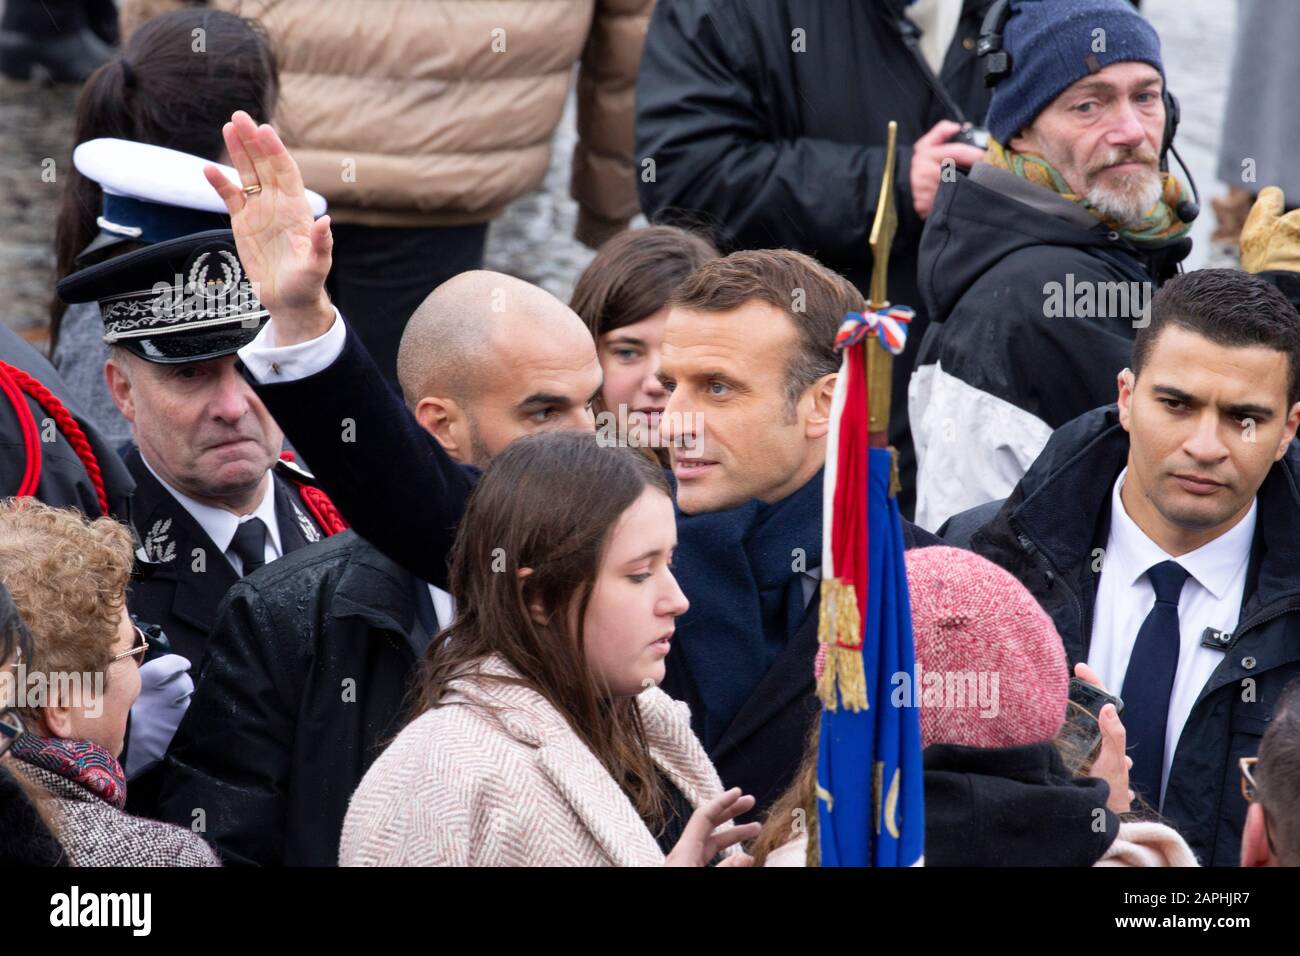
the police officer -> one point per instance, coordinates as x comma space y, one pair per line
214, 500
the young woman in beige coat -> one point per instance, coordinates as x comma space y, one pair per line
542, 738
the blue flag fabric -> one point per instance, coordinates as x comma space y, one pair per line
871, 808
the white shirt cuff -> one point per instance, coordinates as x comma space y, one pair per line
270, 363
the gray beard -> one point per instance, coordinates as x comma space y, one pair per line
1130, 205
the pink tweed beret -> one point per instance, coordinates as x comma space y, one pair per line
991, 669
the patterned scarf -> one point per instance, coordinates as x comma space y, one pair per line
1160, 224
86, 764
738, 569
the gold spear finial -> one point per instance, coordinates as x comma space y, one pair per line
879, 361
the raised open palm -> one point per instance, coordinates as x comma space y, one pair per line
284, 253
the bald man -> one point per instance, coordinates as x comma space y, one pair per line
487, 358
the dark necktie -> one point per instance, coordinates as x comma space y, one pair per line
1149, 681
249, 544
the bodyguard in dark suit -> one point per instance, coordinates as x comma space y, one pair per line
1193, 476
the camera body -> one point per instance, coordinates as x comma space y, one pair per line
976, 136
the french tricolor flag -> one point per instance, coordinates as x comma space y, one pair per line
871, 809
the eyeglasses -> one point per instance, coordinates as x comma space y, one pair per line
138, 649
1250, 790
11, 725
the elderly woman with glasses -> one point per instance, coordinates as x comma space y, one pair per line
67, 577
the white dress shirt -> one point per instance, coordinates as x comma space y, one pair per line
220, 525
444, 608
269, 363
1211, 597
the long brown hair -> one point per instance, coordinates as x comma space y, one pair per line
548, 503
632, 277
798, 805
161, 91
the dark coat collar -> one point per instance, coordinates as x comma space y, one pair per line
376, 590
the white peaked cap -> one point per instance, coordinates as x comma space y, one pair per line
157, 174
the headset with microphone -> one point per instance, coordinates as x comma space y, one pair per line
997, 65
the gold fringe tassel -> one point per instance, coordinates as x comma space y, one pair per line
839, 627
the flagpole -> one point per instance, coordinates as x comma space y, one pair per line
880, 364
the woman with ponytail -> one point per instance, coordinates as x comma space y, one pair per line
179, 77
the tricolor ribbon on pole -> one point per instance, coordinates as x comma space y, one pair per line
844, 508
889, 324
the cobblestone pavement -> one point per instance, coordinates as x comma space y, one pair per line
533, 238
35, 127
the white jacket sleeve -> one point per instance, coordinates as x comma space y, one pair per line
971, 447
270, 363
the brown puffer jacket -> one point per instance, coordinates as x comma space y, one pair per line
441, 112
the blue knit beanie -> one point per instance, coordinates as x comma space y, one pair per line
1055, 43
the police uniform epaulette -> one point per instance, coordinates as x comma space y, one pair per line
287, 467
313, 496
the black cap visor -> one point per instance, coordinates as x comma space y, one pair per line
179, 347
